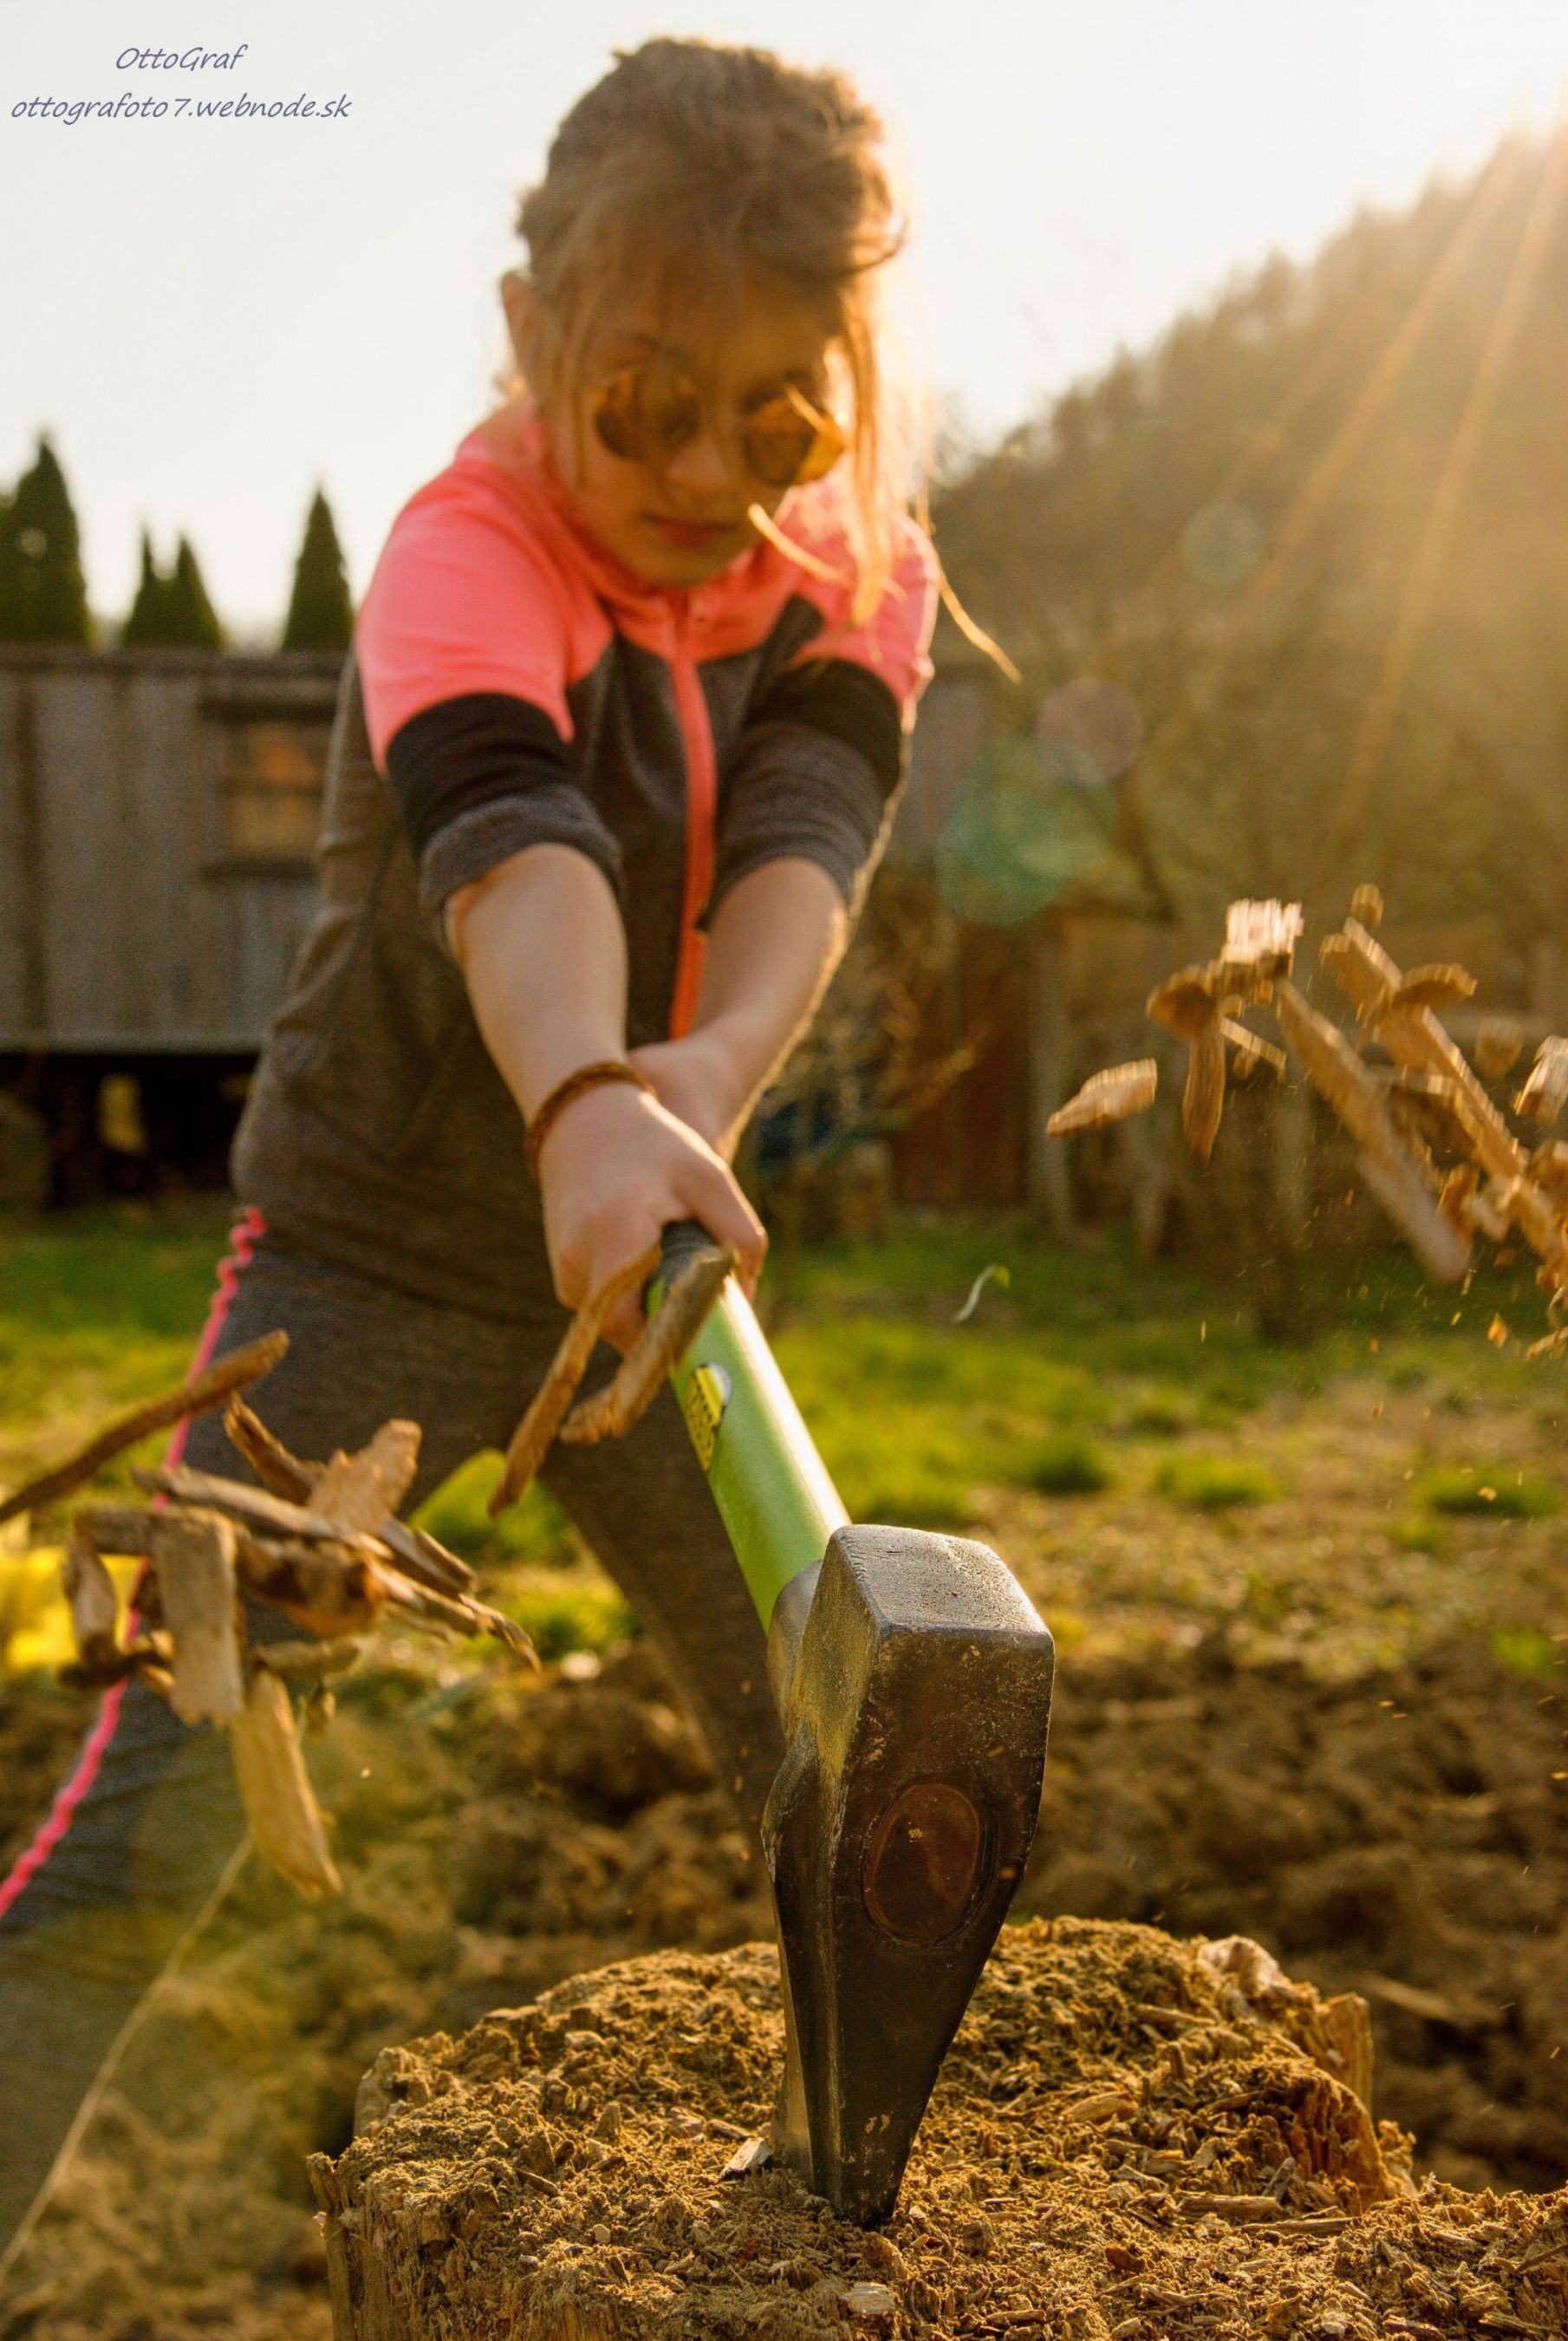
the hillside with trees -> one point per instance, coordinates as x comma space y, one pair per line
1320, 533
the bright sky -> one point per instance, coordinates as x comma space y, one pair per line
213, 316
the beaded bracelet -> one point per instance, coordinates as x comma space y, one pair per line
597, 1075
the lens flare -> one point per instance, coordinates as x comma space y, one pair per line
1224, 542
1014, 840
1087, 732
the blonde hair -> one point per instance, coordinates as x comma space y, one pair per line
718, 169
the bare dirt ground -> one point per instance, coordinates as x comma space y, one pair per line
1330, 1718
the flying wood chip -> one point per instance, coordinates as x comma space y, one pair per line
1498, 1040
1260, 940
1203, 1098
1366, 904
1387, 1165
1184, 1002
1108, 1097
1545, 1092
1434, 987
276, 1789
1251, 1055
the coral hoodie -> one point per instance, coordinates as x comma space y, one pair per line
512, 684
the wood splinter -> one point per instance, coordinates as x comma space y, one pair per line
658, 1348
276, 1788
198, 1396
532, 1438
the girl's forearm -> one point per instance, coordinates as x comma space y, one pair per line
776, 938
542, 949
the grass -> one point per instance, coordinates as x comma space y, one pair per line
1214, 1483
1086, 1375
1070, 1466
1499, 1490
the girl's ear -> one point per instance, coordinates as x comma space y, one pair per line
521, 303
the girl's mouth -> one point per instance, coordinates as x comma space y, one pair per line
691, 536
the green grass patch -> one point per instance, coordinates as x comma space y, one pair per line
1161, 1414
1214, 1483
1499, 1491
564, 1614
1526, 1650
1070, 1465
534, 1528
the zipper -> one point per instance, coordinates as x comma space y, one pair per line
702, 799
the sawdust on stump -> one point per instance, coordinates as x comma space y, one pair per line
1133, 2136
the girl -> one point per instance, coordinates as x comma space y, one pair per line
613, 758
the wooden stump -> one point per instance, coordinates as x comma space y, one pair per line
1126, 2124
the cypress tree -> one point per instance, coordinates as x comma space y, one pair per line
321, 614
193, 621
149, 619
43, 593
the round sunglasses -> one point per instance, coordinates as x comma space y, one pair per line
647, 414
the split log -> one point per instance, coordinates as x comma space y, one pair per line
359, 1492
199, 1396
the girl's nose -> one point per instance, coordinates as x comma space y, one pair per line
699, 468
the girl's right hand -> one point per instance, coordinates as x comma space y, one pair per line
616, 1169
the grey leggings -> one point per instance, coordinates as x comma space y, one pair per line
143, 1831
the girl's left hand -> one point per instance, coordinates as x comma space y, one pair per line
697, 1081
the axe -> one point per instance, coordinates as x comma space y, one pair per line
913, 1680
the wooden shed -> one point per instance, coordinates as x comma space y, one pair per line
157, 811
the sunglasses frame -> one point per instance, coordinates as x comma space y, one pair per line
631, 441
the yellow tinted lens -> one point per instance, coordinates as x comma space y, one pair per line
787, 440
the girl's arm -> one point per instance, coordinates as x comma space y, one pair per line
776, 937
543, 952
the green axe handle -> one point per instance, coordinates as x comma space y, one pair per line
770, 1485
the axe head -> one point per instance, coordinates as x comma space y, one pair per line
916, 1694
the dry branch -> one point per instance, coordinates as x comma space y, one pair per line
200, 1396
1106, 1098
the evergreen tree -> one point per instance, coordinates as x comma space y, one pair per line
148, 623
193, 621
43, 593
321, 614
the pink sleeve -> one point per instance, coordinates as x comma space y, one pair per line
462, 600
893, 641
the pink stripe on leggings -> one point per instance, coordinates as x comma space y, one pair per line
243, 1239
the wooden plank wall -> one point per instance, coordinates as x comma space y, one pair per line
123, 923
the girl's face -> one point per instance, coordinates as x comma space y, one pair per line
678, 519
